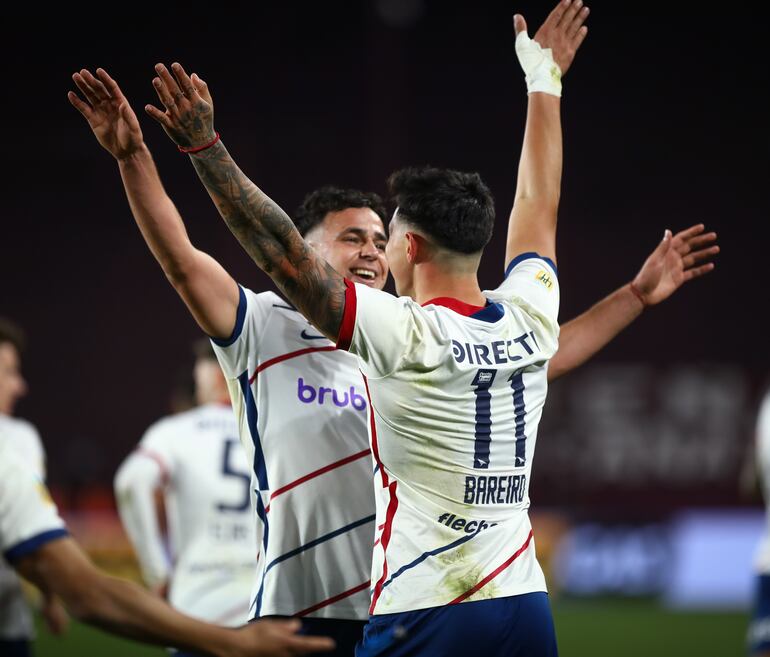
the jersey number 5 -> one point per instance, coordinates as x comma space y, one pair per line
229, 471
481, 385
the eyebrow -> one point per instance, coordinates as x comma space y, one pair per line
362, 233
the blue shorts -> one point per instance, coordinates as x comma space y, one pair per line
517, 626
759, 629
346, 633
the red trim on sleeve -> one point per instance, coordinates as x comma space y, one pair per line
348, 317
165, 475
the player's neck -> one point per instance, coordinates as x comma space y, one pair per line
432, 283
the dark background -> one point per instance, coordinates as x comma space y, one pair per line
664, 124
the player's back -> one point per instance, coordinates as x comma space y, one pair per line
213, 545
456, 394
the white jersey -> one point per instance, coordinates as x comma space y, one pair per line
15, 617
28, 516
456, 394
302, 411
762, 557
197, 459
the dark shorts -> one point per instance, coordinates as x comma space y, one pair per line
759, 629
516, 626
346, 633
15, 648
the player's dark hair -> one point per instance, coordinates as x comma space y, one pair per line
202, 349
328, 199
454, 208
13, 333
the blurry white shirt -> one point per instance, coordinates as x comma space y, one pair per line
15, 618
762, 556
197, 460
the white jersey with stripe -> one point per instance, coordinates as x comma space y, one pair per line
15, 617
456, 394
197, 459
28, 516
762, 556
302, 409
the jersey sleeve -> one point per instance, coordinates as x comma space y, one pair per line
233, 353
28, 517
532, 284
378, 328
30, 447
763, 440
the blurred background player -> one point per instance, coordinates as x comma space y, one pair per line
34, 540
759, 464
205, 566
16, 624
297, 380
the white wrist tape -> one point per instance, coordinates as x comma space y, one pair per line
542, 73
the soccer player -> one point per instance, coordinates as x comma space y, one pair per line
302, 404
16, 625
455, 378
759, 629
196, 460
34, 540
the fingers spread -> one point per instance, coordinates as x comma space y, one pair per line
183, 80
577, 22
171, 87
85, 89
697, 256
556, 15
112, 87
81, 106
160, 117
569, 14
164, 95
99, 90
698, 271
687, 233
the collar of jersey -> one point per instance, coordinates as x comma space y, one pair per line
489, 313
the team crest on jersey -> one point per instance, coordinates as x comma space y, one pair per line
545, 278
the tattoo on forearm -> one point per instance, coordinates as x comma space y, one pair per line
270, 238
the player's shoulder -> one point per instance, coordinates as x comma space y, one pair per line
24, 434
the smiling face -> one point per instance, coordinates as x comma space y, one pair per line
353, 242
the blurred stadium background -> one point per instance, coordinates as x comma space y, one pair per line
640, 520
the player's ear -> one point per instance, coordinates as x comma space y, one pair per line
417, 248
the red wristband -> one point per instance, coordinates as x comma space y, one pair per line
198, 149
637, 294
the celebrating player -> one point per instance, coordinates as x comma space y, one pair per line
196, 459
302, 404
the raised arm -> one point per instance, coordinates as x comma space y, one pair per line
264, 230
207, 289
674, 261
545, 59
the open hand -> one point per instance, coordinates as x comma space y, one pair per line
108, 112
563, 31
675, 261
189, 115
277, 638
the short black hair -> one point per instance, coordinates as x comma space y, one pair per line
13, 333
328, 199
454, 208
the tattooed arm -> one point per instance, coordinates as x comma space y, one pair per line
259, 224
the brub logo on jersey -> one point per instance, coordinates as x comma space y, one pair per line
308, 394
